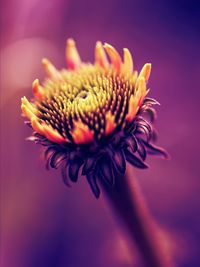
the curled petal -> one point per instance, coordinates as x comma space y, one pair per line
150, 112
143, 126
140, 121
131, 158
156, 150
154, 135
74, 167
89, 165
48, 154
72, 56
119, 161
105, 170
143, 129
132, 143
91, 178
57, 159
114, 56
64, 172
100, 56
141, 150
150, 101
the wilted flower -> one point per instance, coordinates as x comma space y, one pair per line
93, 117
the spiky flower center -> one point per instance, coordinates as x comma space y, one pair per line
87, 102
89, 96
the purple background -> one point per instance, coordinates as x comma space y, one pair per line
44, 223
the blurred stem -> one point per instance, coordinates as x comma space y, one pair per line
126, 199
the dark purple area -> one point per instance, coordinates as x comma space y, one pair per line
46, 224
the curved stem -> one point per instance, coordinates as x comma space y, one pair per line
129, 205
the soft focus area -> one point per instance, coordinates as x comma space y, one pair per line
46, 224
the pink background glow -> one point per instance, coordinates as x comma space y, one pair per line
46, 224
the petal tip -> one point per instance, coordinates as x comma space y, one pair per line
145, 72
72, 55
128, 61
114, 56
100, 55
70, 42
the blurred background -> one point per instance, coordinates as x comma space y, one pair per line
46, 224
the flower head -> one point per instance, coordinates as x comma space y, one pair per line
93, 117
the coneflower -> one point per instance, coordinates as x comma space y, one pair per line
94, 118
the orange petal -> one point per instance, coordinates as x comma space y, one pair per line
37, 126
81, 133
114, 56
53, 135
132, 108
38, 90
51, 71
128, 62
110, 123
145, 72
100, 56
72, 56
47, 131
28, 109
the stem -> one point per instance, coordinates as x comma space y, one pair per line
128, 203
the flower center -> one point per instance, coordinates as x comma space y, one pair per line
83, 94
87, 102
88, 96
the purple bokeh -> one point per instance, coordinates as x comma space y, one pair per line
44, 223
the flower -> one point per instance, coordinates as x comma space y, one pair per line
93, 117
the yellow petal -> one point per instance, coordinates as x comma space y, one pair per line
72, 56
27, 112
51, 71
132, 108
145, 72
114, 56
141, 85
100, 56
28, 109
128, 62
141, 90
